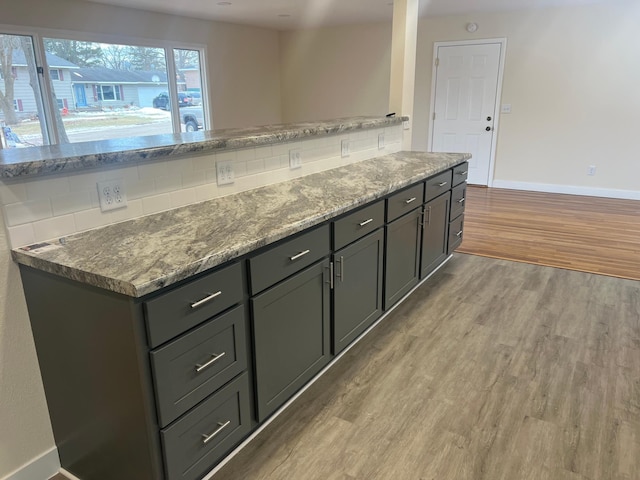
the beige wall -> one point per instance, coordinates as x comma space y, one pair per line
25, 430
244, 74
572, 77
335, 72
243, 61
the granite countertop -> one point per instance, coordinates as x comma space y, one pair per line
141, 256
22, 162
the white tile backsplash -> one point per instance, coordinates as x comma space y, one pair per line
57, 205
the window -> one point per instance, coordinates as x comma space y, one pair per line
98, 90
23, 116
108, 92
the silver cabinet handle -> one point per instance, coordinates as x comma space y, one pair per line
342, 269
221, 426
429, 216
366, 222
442, 184
206, 300
463, 173
215, 358
461, 200
300, 255
459, 233
411, 200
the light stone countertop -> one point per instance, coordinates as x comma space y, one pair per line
35, 161
140, 256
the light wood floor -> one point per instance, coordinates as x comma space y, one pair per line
598, 235
493, 370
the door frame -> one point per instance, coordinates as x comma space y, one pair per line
496, 114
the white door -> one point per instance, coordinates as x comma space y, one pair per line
466, 91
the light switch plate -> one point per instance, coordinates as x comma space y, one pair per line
381, 141
345, 148
506, 108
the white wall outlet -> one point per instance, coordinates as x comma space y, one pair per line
381, 141
295, 159
346, 148
506, 108
406, 124
224, 172
592, 170
112, 195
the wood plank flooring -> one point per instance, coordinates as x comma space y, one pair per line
492, 370
589, 234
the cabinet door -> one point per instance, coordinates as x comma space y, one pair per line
291, 335
434, 237
402, 264
357, 294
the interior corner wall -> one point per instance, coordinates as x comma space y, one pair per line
335, 72
244, 75
571, 76
243, 62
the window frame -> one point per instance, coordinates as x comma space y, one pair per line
45, 79
57, 74
117, 94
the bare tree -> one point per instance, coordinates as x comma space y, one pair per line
83, 54
116, 57
7, 45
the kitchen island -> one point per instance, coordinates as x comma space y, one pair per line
165, 341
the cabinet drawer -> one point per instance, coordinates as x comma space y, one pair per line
289, 257
198, 440
191, 368
458, 200
438, 185
179, 310
358, 224
460, 173
403, 202
455, 233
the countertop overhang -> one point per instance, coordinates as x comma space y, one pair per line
141, 256
47, 160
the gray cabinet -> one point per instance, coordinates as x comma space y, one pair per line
434, 236
357, 294
402, 256
290, 335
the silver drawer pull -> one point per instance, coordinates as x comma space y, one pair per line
300, 255
462, 173
221, 426
215, 358
459, 233
206, 300
442, 184
366, 222
461, 200
411, 200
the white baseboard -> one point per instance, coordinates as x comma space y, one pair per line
41, 468
568, 189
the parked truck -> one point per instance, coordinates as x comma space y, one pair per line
192, 118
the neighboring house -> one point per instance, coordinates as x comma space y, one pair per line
24, 99
192, 77
108, 88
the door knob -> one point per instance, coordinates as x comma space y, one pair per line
488, 129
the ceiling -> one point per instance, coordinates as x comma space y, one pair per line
293, 14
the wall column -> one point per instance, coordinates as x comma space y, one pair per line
403, 62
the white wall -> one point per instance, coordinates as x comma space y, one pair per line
244, 74
335, 72
572, 76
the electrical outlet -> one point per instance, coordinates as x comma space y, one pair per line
295, 159
592, 170
346, 150
381, 141
112, 194
225, 175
